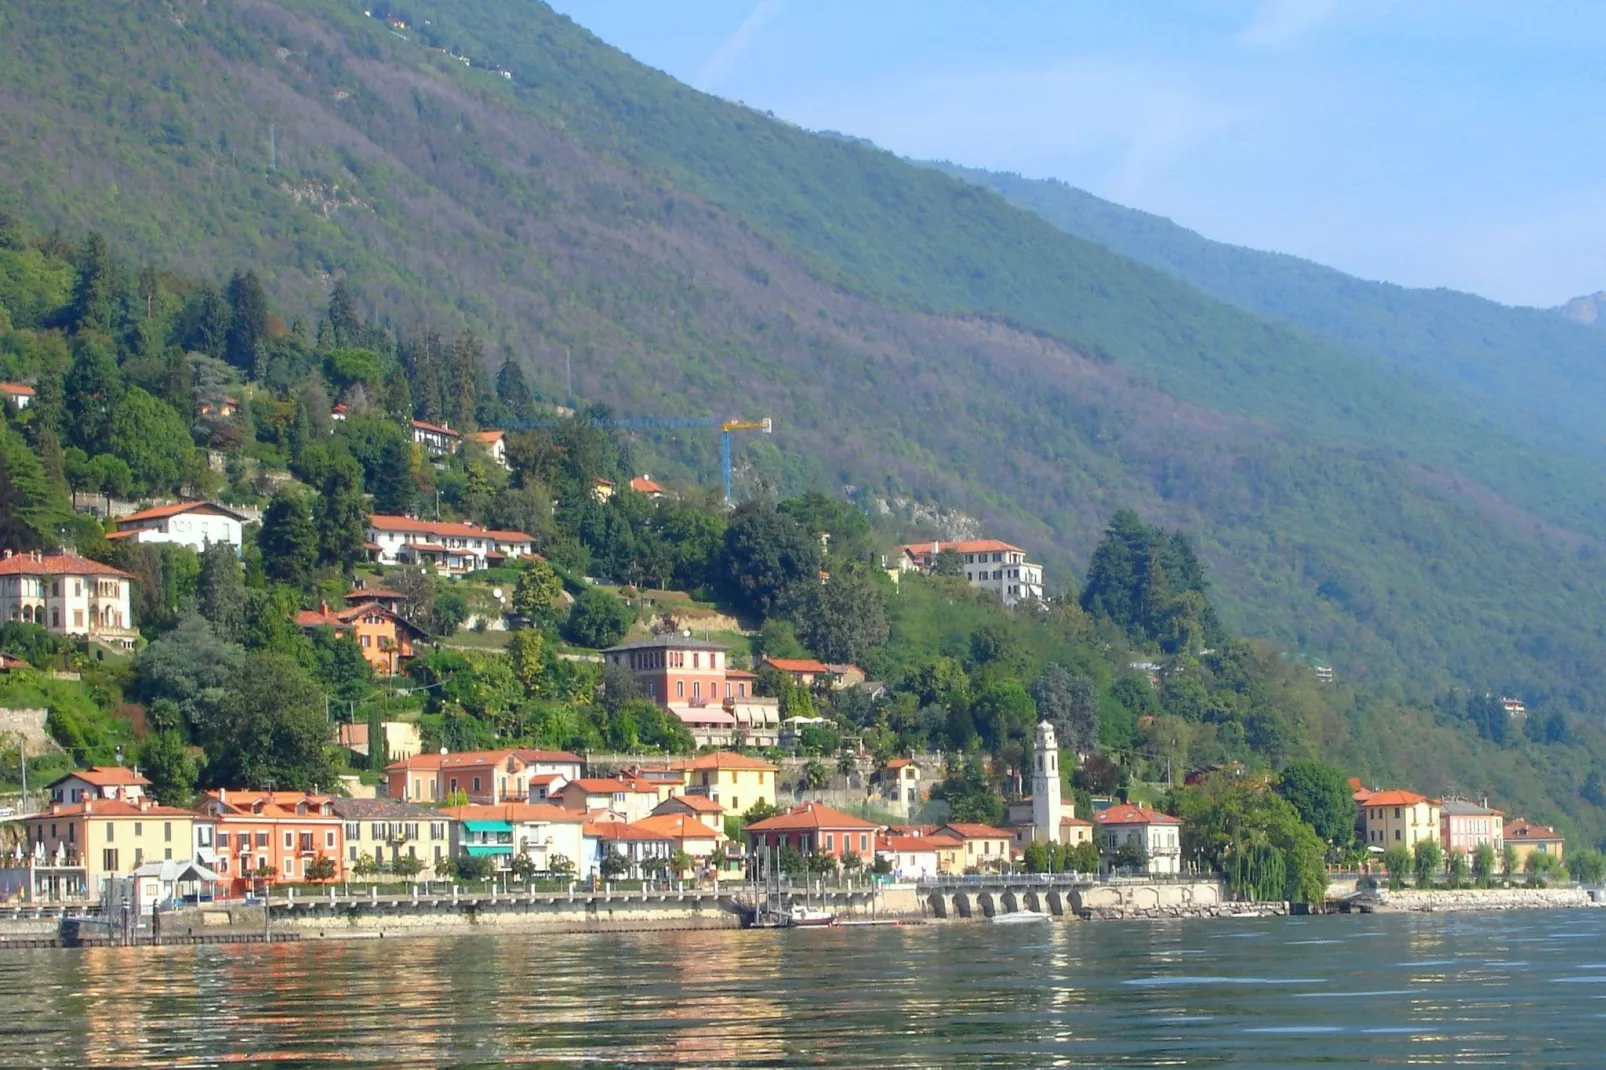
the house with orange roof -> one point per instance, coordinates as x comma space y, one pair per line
1127, 825
68, 595
1527, 837
699, 807
385, 637
445, 546
700, 843
393, 600
693, 680
629, 797
98, 782
989, 564
803, 671
485, 777
495, 443
266, 836
437, 439
643, 484
984, 849
548, 835
196, 524
646, 851
899, 781
111, 837
19, 394
1398, 819
811, 829
735, 781
915, 858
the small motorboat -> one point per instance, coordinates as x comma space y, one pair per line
801, 917
1021, 917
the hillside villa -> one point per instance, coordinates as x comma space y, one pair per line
195, 524
385, 637
437, 439
68, 595
98, 782
495, 443
445, 546
986, 563
693, 680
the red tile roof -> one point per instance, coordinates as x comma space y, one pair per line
811, 815
382, 522
798, 665
1075, 821
1394, 798
1131, 814
1528, 832
58, 564
676, 827
514, 812
114, 808
643, 485
488, 437
623, 830
724, 759
609, 785
17, 390
915, 843
964, 546
701, 803
105, 776
436, 428
974, 831
483, 757
158, 512
268, 805
899, 763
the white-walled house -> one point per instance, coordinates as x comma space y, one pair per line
986, 563
1160, 835
67, 595
193, 524
495, 443
438, 439
19, 394
444, 546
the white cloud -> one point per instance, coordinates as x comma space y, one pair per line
1278, 23
730, 50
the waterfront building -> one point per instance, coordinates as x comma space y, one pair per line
387, 830
1398, 819
111, 837
1465, 826
273, 835
983, 848
1158, 835
546, 834
811, 828
912, 858
642, 848
1527, 837
1047, 810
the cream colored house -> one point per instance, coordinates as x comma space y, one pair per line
112, 837
1159, 835
68, 595
193, 524
387, 830
1399, 819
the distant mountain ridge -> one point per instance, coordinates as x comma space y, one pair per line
1532, 373
1586, 310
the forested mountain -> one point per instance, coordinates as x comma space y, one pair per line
1528, 372
487, 164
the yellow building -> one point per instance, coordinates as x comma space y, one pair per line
114, 837
1398, 819
735, 781
1526, 838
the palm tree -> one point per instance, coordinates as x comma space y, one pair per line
815, 775
847, 764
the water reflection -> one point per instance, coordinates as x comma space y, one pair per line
1437, 990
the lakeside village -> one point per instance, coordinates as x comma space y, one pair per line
702, 763
519, 815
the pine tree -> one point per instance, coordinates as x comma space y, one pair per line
464, 381
344, 323
94, 389
96, 295
248, 321
341, 516
220, 592
289, 541
398, 395
514, 392
392, 484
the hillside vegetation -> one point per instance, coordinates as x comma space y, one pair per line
910, 334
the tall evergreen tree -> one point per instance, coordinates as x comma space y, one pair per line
94, 389
178, 383
398, 395
341, 515
514, 392
97, 294
220, 592
344, 323
392, 484
464, 381
248, 321
289, 541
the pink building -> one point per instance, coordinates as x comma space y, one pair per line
1465, 826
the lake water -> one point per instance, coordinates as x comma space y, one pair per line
1512, 989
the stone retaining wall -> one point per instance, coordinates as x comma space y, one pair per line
1486, 899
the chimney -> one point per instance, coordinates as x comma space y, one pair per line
223, 795
6, 556
89, 805
323, 608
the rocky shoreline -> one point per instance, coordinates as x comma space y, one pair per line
1435, 901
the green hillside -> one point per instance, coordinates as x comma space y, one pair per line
910, 334
1532, 374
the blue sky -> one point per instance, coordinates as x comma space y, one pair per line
1428, 143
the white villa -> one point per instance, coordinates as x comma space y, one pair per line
193, 524
987, 563
444, 546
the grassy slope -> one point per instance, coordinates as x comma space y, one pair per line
696, 257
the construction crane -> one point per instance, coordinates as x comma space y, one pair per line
655, 423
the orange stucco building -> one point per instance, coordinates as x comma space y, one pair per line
284, 830
386, 637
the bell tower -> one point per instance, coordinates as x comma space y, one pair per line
1046, 809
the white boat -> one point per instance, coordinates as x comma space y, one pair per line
1021, 917
802, 917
